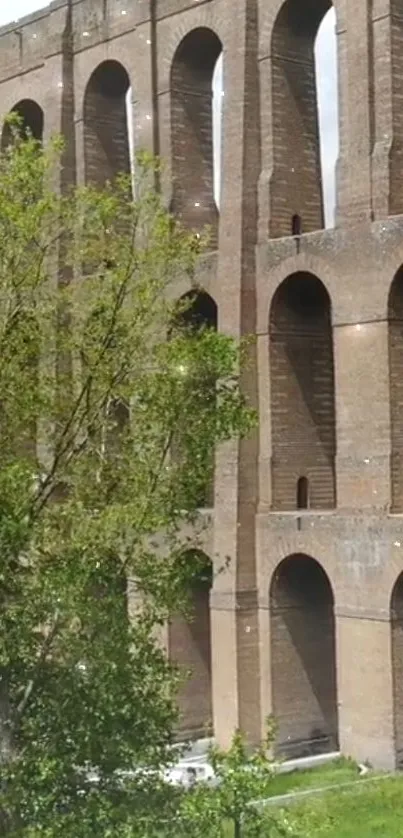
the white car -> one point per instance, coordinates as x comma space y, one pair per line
187, 774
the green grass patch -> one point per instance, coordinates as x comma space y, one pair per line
351, 807
332, 773
370, 810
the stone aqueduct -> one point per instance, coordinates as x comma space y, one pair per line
307, 622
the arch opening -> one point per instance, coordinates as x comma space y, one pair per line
326, 69
200, 313
395, 348
190, 648
396, 625
32, 123
218, 101
302, 393
303, 653
106, 125
195, 118
304, 73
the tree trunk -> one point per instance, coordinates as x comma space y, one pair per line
6, 745
6, 733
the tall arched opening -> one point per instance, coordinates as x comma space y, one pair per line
302, 393
328, 111
106, 130
303, 656
192, 136
31, 125
189, 640
199, 311
395, 344
218, 102
396, 624
297, 183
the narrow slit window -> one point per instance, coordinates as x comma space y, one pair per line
302, 493
296, 225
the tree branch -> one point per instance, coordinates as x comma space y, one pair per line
40, 662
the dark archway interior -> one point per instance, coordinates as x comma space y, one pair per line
106, 133
396, 617
192, 130
296, 188
200, 311
303, 651
190, 648
32, 122
302, 392
395, 341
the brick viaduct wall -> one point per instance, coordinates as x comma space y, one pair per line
315, 563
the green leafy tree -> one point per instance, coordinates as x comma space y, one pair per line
92, 505
233, 807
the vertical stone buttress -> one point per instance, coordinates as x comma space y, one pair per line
59, 121
357, 93
234, 599
387, 157
60, 106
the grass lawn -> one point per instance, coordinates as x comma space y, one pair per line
332, 773
370, 810
309, 814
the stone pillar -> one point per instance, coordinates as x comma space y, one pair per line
235, 641
365, 687
59, 107
59, 120
145, 113
355, 50
363, 436
387, 62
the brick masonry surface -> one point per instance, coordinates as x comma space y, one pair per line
307, 620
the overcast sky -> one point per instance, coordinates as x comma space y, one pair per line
326, 66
